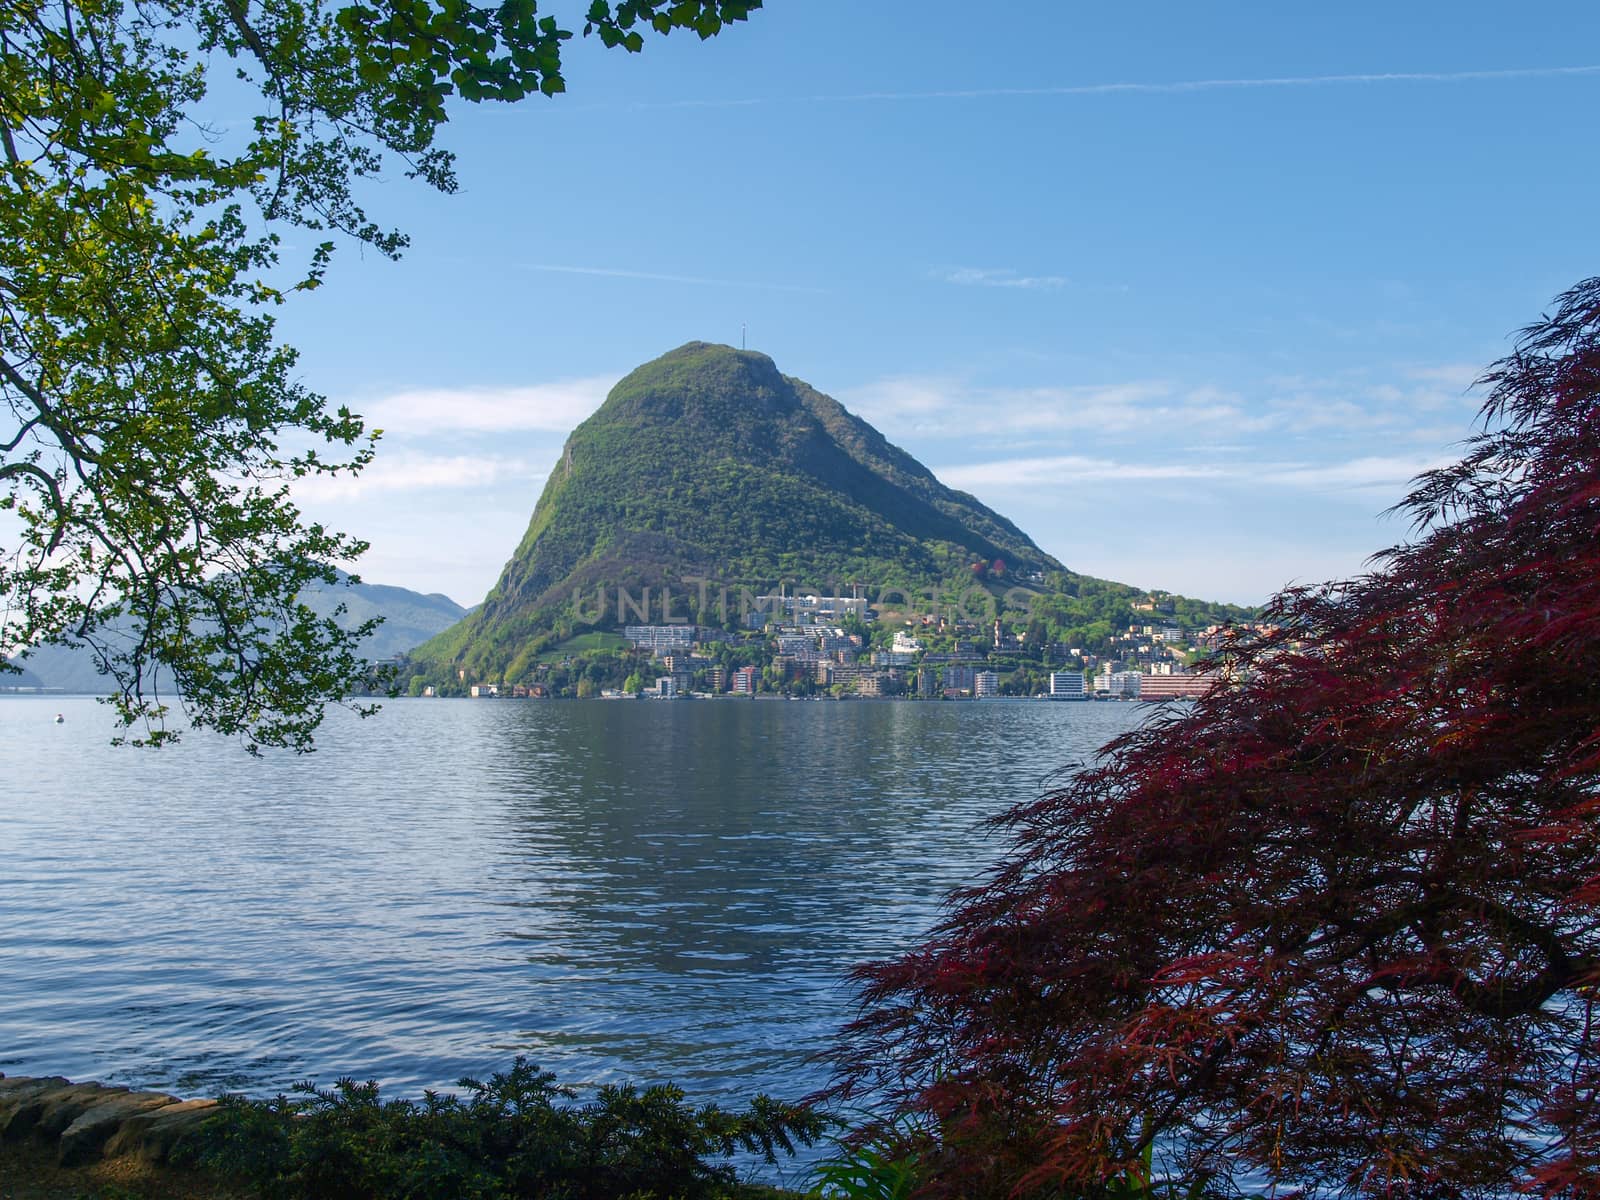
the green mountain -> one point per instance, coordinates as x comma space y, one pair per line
710, 464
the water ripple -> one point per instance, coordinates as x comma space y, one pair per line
620, 891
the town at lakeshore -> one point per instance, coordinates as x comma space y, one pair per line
841, 647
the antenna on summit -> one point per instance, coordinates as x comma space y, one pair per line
741, 335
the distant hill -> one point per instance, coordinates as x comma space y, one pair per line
408, 618
710, 464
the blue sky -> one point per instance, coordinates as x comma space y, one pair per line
1186, 291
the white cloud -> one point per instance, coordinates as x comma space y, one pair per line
1319, 408
656, 277
1456, 376
890, 403
934, 407
546, 407
1371, 474
1410, 406
407, 471
998, 278
1120, 408
1388, 474
1066, 469
1363, 398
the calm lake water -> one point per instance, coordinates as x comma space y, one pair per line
618, 890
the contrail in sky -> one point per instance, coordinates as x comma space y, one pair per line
1158, 89
621, 273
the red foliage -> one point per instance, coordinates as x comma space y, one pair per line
1336, 926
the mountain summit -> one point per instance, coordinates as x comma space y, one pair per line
710, 464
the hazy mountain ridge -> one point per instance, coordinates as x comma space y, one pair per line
408, 618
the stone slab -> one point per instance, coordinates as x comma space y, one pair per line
60, 1109
20, 1107
82, 1140
19, 1088
152, 1136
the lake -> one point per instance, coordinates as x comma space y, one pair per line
618, 890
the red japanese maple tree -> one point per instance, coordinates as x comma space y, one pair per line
1337, 926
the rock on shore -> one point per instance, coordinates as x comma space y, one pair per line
88, 1121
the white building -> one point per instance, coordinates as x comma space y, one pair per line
660, 637
985, 683
904, 643
807, 608
1067, 685
1119, 685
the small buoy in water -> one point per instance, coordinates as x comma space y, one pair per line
60, 719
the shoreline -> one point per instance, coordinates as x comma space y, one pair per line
66, 1140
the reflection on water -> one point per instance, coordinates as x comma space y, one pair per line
618, 890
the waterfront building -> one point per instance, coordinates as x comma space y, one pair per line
1067, 685
744, 681
1118, 685
1178, 685
985, 684
831, 674
959, 677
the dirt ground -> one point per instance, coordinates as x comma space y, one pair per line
30, 1173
